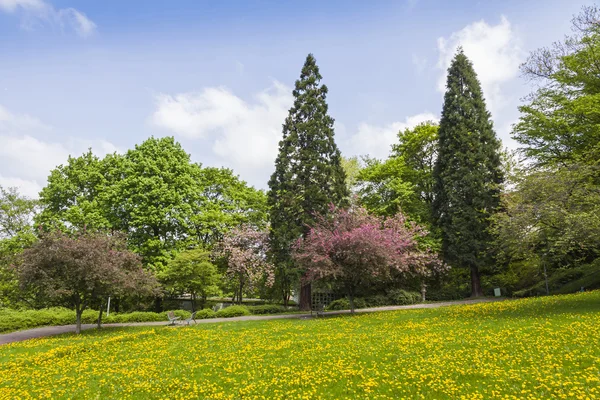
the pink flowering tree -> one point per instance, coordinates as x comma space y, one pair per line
245, 249
353, 248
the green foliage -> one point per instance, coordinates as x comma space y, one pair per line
225, 202
568, 280
16, 212
403, 297
383, 189
71, 199
344, 304
308, 174
267, 309
403, 182
192, 272
551, 214
153, 193
232, 311
12, 320
467, 172
205, 314
352, 167
560, 124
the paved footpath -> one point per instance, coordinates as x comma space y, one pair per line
20, 336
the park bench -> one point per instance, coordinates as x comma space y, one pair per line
318, 309
172, 317
191, 318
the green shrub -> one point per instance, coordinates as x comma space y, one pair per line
267, 309
232, 311
377, 301
400, 297
344, 304
12, 320
205, 314
565, 281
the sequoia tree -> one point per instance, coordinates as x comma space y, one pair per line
467, 172
308, 175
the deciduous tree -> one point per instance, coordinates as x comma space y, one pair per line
82, 268
192, 272
245, 252
353, 248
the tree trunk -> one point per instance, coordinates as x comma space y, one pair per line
476, 290
100, 316
305, 297
158, 304
351, 298
193, 302
240, 292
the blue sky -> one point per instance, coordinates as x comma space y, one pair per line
218, 75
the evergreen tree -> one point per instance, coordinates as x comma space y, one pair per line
467, 172
308, 176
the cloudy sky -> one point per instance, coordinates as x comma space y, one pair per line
218, 75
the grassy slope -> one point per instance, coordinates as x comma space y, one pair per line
533, 348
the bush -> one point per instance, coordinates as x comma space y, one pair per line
377, 301
232, 311
400, 297
267, 309
205, 314
344, 304
565, 281
12, 320
141, 316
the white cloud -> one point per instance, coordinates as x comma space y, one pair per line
26, 160
420, 63
39, 12
495, 51
376, 141
243, 134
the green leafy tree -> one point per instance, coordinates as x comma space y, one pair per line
156, 195
308, 175
551, 218
16, 234
70, 200
467, 172
225, 202
352, 167
191, 272
403, 182
561, 122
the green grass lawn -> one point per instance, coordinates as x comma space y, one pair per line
535, 348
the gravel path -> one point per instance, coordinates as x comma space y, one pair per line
20, 336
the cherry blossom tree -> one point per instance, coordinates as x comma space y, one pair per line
244, 249
352, 248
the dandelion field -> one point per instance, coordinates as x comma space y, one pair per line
525, 349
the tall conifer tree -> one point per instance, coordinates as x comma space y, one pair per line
308, 176
467, 172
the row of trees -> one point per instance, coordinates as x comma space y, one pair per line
446, 196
